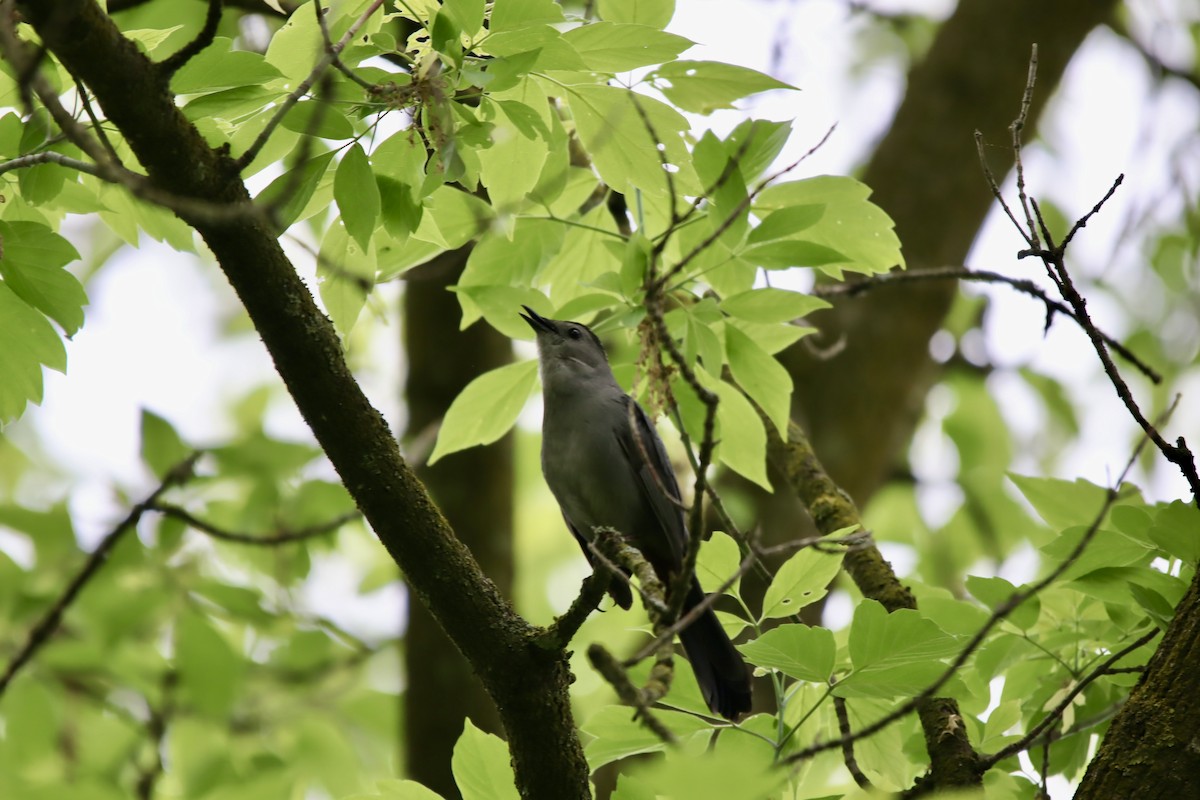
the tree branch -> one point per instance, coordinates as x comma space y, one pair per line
41, 632
1022, 285
281, 536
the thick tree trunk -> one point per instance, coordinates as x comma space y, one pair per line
1152, 749
474, 489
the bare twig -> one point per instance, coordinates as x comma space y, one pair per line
1023, 285
337, 62
82, 91
49, 157
281, 536
1017, 128
843, 718
41, 632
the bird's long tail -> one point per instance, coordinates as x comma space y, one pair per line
723, 676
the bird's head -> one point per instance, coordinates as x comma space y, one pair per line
568, 352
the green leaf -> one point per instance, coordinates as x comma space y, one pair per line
162, 447
655, 13
290, 192
514, 14
50, 531
357, 195
481, 766
743, 441
209, 671
852, 226
893, 654
1060, 503
29, 342
486, 409
802, 580
760, 375
218, 66
993, 592
705, 86
624, 150
511, 166
317, 118
31, 263
717, 562
1175, 530
617, 734
500, 304
786, 222
456, 217
770, 305
467, 14
756, 143
346, 272
788, 253
620, 47
799, 651
397, 789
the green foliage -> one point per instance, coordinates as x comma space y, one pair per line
190, 660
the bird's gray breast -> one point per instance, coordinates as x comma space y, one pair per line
585, 467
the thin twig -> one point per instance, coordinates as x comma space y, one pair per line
101, 136
49, 157
1017, 127
334, 52
843, 718
281, 536
328, 40
1025, 286
41, 632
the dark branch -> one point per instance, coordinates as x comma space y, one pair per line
843, 718
278, 537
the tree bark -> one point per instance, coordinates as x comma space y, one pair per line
1152, 748
530, 685
475, 489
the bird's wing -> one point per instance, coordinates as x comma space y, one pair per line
656, 480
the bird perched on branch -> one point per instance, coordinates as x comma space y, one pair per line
606, 466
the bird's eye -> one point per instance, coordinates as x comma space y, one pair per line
574, 333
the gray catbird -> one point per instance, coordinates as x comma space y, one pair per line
604, 474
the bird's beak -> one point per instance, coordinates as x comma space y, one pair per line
537, 321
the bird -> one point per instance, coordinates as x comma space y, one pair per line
606, 466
